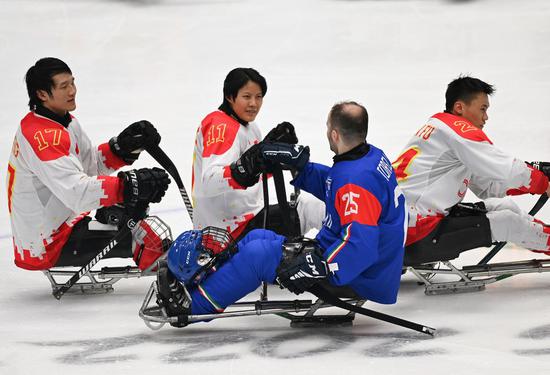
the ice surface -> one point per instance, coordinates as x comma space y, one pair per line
165, 61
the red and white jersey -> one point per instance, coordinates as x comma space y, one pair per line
444, 159
55, 177
218, 199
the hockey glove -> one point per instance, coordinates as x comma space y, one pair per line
136, 137
112, 215
143, 186
543, 166
295, 156
247, 169
299, 272
284, 132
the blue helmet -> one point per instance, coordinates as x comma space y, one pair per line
196, 252
187, 257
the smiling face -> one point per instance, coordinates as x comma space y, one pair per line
63, 94
475, 111
248, 101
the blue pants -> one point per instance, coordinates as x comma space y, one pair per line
259, 255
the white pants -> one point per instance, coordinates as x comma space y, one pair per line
311, 212
510, 223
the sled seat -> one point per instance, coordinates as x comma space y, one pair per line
101, 280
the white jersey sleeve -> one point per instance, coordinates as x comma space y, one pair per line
492, 172
98, 160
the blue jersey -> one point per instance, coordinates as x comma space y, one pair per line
363, 232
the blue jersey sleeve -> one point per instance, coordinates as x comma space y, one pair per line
313, 179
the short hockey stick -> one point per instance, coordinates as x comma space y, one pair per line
263, 294
328, 297
122, 233
160, 157
536, 208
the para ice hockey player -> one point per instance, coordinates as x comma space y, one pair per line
360, 244
450, 154
225, 193
56, 177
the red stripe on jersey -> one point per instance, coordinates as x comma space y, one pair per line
11, 181
463, 127
218, 133
241, 225
50, 257
538, 184
353, 203
49, 139
230, 180
110, 160
113, 190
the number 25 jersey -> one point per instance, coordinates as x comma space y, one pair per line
363, 232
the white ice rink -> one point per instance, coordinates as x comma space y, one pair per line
165, 61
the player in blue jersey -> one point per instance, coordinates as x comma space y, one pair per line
360, 244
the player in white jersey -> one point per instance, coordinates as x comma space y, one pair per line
56, 177
451, 154
225, 188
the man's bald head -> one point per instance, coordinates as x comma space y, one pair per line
351, 120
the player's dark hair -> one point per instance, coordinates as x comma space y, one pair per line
40, 77
465, 88
235, 80
351, 119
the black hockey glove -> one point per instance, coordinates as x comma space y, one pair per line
295, 156
247, 169
112, 215
143, 186
543, 166
284, 132
300, 270
136, 137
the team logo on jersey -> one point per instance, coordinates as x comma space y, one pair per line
385, 168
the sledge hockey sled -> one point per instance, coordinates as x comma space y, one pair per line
431, 267
300, 312
100, 281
